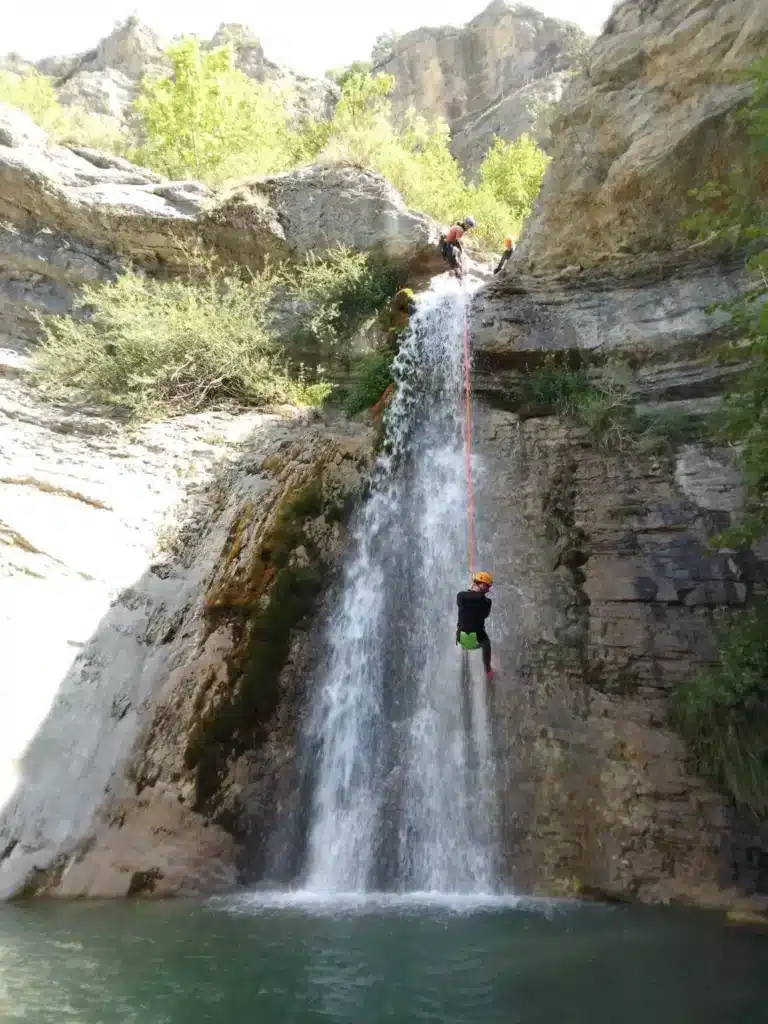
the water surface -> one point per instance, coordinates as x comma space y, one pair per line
365, 962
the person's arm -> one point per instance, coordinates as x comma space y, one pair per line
488, 603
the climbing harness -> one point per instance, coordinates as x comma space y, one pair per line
468, 444
468, 641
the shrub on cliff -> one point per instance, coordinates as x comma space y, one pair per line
723, 714
169, 347
374, 375
333, 296
512, 172
35, 95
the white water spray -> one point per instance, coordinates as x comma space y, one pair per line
401, 761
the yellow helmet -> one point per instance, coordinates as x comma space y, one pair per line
483, 577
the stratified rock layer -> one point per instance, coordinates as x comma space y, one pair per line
606, 593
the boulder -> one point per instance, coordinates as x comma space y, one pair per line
316, 209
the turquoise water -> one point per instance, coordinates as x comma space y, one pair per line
239, 962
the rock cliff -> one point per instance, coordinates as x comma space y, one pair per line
153, 722
613, 586
499, 75
652, 116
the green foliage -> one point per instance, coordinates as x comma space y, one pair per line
35, 95
164, 347
603, 400
374, 377
512, 171
208, 120
333, 296
383, 47
723, 713
342, 75
735, 211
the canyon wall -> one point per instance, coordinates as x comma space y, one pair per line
610, 588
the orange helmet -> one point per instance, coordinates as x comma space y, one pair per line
483, 577
508, 242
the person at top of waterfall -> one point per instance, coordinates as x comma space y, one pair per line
509, 249
474, 608
450, 245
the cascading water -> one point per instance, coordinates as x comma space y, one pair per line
401, 761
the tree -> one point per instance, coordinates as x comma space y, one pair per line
210, 121
513, 172
383, 48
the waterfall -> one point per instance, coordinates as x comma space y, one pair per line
399, 754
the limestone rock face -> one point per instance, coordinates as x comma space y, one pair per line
608, 589
136, 738
316, 209
491, 77
652, 116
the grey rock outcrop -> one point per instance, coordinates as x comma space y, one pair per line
497, 75
105, 80
317, 209
652, 117
612, 609
75, 215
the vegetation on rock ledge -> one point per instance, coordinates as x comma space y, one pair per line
159, 347
723, 714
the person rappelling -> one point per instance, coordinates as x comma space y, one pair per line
450, 245
474, 608
509, 251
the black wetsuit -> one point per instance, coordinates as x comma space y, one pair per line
474, 609
504, 257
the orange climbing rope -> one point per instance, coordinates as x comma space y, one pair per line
468, 446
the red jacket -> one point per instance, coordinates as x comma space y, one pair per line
454, 234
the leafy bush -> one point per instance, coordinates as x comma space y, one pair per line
383, 47
723, 713
35, 95
604, 400
208, 120
375, 376
512, 171
335, 295
161, 347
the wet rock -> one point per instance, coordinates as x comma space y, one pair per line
598, 790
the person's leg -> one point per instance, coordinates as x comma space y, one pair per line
485, 643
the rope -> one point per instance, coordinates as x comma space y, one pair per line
468, 444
